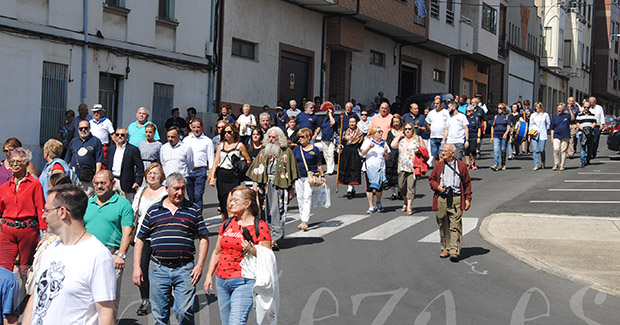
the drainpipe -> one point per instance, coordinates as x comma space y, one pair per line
220, 52
84, 54
212, 70
322, 65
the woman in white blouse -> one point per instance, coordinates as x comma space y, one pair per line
246, 122
145, 197
539, 121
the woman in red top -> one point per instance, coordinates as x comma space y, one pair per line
21, 207
234, 285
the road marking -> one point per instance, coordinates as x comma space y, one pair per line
576, 202
584, 190
329, 226
591, 181
554, 216
469, 224
597, 173
390, 228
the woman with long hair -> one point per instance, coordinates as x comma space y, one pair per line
234, 290
223, 176
412, 157
540, 122
376, 151
350, 161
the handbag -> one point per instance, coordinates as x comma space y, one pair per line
314, 179
240, 166
532, 133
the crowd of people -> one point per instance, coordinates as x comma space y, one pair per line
104, 189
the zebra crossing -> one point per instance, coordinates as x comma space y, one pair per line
378, 233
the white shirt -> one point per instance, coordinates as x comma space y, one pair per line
177, 159
541, 123
118, 160
375, 157
438, 122
599, 113
293, 113
456, 128
202, 149
81, 274
243, 122
101, 129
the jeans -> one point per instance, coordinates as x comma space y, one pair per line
435, 146
499, 146
196, 186
538, 147
586, 149
162, 280
235, 298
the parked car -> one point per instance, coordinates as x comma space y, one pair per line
613, 141
610, 122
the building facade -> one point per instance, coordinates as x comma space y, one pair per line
606, 58
62, 53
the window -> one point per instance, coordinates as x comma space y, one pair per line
163, 101
435, 9
115, 3
587, 53
582, 55
615, 74
482, 69
439, 76
489, 18
420, 13
567, 53
450, 12
244, 49
53, 99
166, 9
547, 42
377, 58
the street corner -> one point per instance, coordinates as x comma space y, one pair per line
579, 248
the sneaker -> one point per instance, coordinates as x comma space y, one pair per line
371, 210
380, 207
536, 168
474, 166
510, 157
493, 167
503, 167
468, 166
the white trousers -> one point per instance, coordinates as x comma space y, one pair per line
560, 147
328, 154
304, 198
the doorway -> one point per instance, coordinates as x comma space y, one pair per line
408, 81
109, 86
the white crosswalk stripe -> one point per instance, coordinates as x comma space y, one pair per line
329, 226
390, 228
469, 224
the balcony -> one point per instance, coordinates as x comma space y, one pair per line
502, 49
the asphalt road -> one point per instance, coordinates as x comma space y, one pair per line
384, 268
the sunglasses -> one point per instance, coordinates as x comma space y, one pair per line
6, 150
364, 114
228, 132
408, 129
302, 136
121, 134
16, 162
83, 129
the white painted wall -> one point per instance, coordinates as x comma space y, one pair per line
266, 23
430, 62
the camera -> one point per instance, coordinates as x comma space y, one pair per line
449, 191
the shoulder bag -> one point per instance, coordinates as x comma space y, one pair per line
314, 179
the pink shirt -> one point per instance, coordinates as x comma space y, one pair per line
383, 122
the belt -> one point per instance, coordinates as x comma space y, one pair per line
199, 168
22, 224
171, 264
150, 160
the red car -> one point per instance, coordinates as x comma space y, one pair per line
610, 122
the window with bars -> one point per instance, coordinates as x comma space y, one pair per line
377, 58
53, 99
163, 100
450, 12
435, 9
244, 49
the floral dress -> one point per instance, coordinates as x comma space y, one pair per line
406, 154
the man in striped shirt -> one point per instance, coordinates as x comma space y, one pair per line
172, 225
586, 121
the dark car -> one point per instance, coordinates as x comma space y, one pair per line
610, 122
613, 141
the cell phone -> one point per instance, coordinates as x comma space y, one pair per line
246, 235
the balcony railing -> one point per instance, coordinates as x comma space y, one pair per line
502, 49
434, 9
450, 17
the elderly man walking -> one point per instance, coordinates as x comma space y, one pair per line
109, 217
452, 186
136, 129
85, 156
175, 156
75, 280
126, 165
172, 224
274, 172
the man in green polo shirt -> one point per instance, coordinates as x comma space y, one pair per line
109, 217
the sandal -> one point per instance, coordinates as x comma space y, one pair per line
404, 208
410, 212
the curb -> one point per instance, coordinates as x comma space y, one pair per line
536, 263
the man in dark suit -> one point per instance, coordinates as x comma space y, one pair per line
125, 163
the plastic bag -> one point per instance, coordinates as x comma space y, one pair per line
321, 196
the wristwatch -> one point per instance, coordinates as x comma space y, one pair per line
123, 256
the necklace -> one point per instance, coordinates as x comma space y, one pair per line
84, 233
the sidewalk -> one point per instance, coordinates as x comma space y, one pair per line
579, 248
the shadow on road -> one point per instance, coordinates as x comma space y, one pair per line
295, 242
467, 252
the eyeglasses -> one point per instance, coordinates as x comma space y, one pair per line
408, 129
6, 150
16, 162
228, 132
121, 134
83, 128
219, 127
364, 114
47, 211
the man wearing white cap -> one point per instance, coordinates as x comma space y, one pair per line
101, 127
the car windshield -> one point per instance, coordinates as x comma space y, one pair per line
609, 119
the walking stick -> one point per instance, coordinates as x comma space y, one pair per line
339, 149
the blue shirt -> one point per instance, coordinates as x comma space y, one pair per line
137, 135
310, 121
327, 130
87, 153
281, 121
172, 235
229, 119
473, 126
500, 125
313, 159
9, 294
420, 121
560, 124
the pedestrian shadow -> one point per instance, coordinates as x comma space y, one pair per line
513, 168
128, 321
467, 252
475, 179
203, 300
287, 243
422, 209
